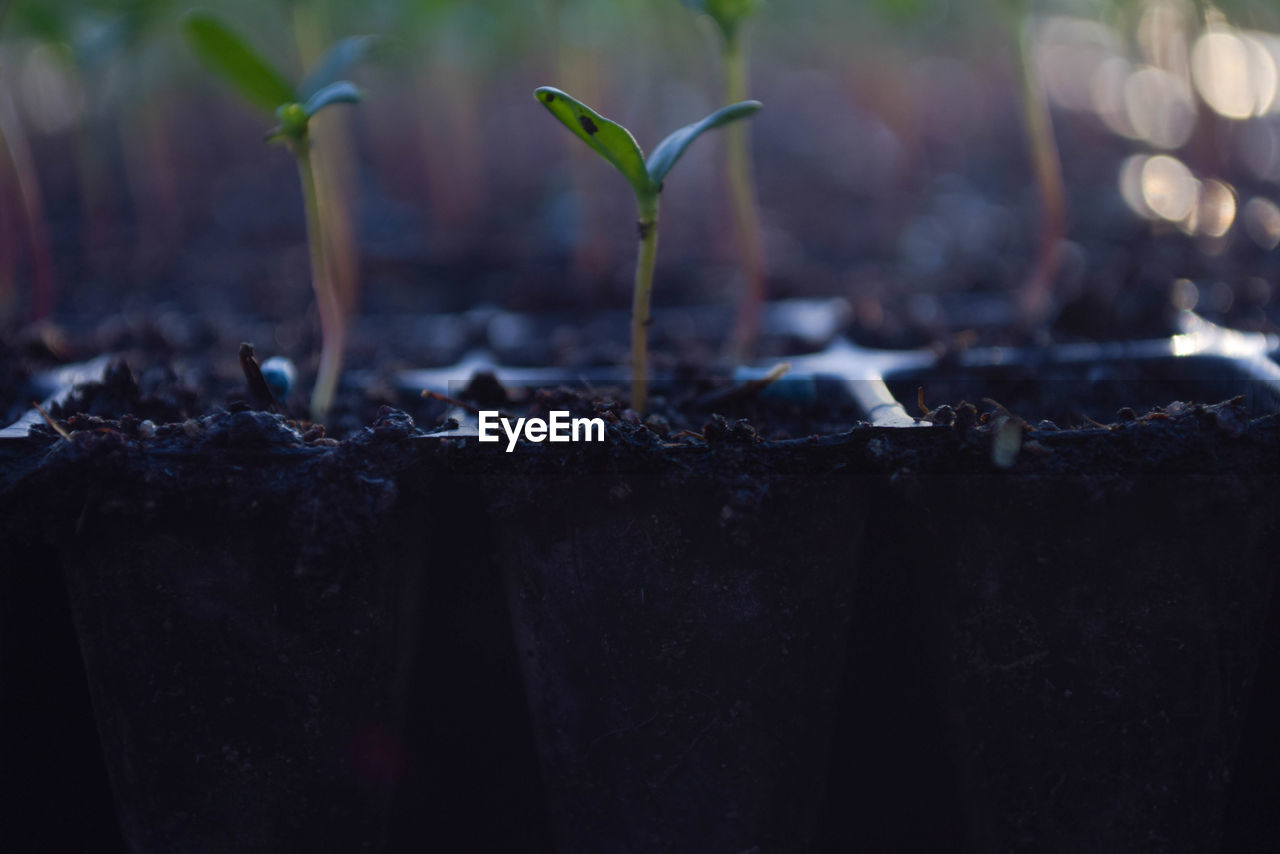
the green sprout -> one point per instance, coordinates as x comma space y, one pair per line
615, 143
730, 17
225, 53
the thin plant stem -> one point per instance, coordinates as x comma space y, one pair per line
328, 302
13, 139
1036, 297
641, 300
333, 173
746, 212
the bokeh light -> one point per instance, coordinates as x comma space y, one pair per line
1234, 73
1216, 212
1169, 189
1262, 222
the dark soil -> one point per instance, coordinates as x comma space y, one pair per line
1088, 394
957, 624
237, 676
939, 692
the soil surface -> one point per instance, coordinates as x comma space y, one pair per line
72, 500
965, 504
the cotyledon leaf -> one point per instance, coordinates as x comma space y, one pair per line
230, 56
610, 140
337, 59
340, 92
671, 148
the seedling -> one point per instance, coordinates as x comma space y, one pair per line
1036, 296
98, 48
225, 53
730, 17
17, 151
615, 144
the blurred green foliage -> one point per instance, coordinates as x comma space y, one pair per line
904, 11
91, 31
729, 15
481, 35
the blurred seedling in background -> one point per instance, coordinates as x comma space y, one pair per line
80, 48
1035, 299
17, 153
730, 17
466, 43
225, 53
20, 162
615, 144
1035, 296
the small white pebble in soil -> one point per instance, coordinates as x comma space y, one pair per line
1007, 443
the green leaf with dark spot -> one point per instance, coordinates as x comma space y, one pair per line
229, 56
336, 60
610, 140
671, 148
341, 92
